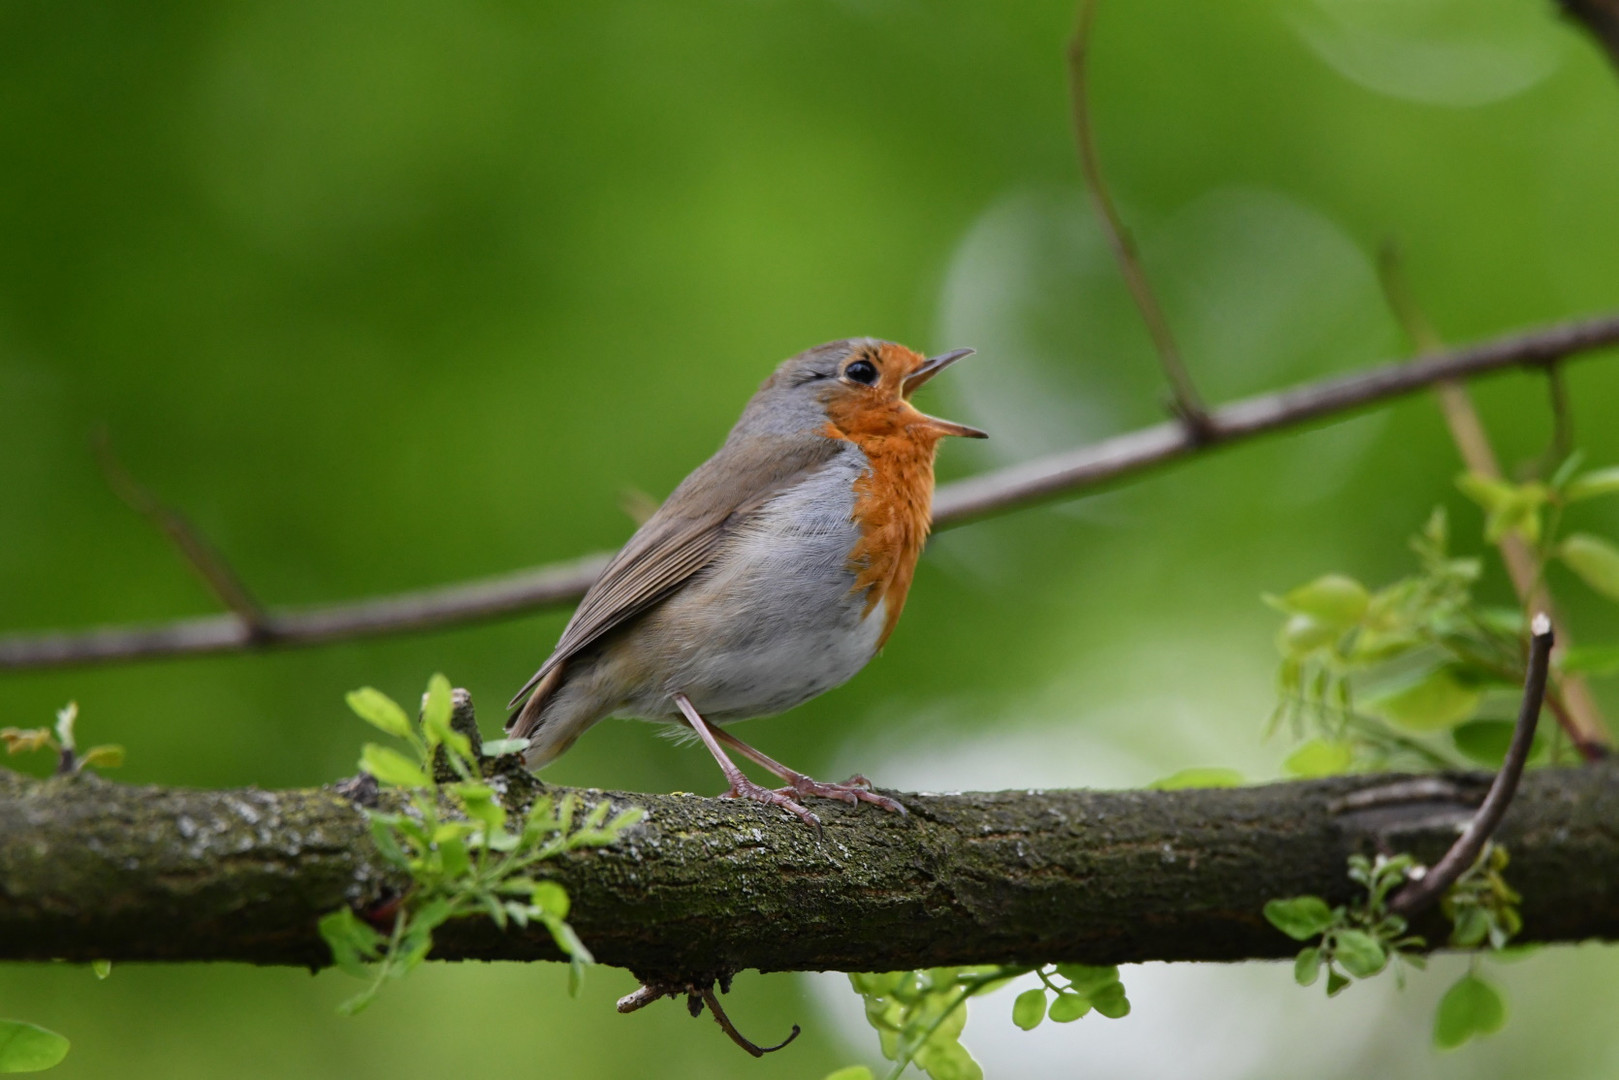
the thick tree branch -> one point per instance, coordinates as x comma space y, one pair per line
995, 492
90, 869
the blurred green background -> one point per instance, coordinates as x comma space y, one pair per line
391, 295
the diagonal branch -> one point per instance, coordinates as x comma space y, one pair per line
1000, 491
1573, 702
198, 554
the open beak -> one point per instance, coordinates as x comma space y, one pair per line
921, 375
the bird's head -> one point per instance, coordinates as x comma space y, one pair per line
863, 386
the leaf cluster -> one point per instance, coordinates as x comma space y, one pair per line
464, 854
60, 741
919, 1015
1356, 940
1409, 675
1363, 938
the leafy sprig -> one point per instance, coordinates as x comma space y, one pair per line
464, 854
1361, 939
919, 1015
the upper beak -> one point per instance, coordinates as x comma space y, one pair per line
932, 367
921, 375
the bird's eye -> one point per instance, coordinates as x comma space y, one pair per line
863, 372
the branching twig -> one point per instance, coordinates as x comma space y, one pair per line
1575, 707
1187, 404
208, 564
1417, 894
995, 492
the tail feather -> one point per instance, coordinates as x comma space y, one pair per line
528, 722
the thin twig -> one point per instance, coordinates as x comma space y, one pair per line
995, 492
1187, 404
208, 564
1577, 710
729, 1028
1417, 894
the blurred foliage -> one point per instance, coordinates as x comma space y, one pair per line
388, 296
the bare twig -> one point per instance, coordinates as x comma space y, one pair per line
995, 492
1418, 893
208, 564
1575, 706
713, 1003
1187, 404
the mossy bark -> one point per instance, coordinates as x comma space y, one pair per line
91, 869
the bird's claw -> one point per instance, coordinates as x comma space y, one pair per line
854, 791
744, 788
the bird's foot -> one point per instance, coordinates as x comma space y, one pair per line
743, 788
855, 790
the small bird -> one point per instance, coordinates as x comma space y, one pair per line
773, 573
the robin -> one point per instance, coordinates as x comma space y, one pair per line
773, 573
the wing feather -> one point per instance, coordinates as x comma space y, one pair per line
680, 539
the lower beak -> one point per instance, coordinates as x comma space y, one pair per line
921, 375
950, 427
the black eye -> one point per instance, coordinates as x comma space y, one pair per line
863, 372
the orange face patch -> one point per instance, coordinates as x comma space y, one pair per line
893, 504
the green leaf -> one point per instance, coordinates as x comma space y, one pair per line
1435, 702
552, 899
1360, 953
1594, 484
1595, 560
1320, 757
1066, 1008
877, 984
851, 1072
1086, 979
1336, 983
481, 806
1491, 493
437, 706
1332, 600
1204, 777
1302, 635
353, 943
1300, 918
1029, 1008
102, 968
1110, 1002
1471, 926
380, 711
26, 1047
1592, 659
105, 756
1469, 1009
500, 747
1486, 741
392, 767
1307, 966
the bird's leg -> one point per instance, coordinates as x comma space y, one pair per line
855, 790
741, 786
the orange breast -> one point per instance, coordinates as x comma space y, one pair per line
893, 504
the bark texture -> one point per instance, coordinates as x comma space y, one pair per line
92, 869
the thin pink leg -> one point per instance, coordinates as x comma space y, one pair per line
856, 790
741, 786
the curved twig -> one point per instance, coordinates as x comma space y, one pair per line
1419, 893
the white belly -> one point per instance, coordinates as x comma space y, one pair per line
775, 621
